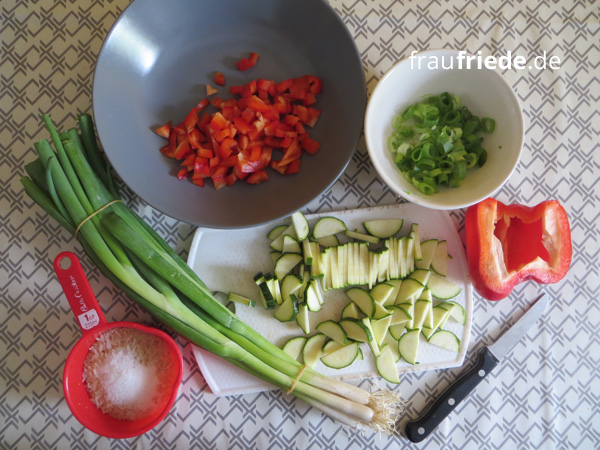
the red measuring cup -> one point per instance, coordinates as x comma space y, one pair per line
92, 323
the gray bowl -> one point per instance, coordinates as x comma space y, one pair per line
154, 66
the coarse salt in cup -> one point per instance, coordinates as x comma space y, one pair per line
121, 369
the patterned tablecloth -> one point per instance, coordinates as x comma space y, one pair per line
545, 395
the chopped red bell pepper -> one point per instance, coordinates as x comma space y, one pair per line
182, 174
246, 63
220, 78
237, 141
164, 130
509, 244
257, 177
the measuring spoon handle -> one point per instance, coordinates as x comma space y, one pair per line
78, 291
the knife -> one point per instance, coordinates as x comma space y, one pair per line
487, 359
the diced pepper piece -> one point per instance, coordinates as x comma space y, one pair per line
164, 130
309, 144
258, 177
182, 174
247, 63
220, 78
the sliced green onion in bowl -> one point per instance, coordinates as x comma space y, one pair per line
435, 142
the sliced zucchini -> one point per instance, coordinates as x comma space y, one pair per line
445, 339
300, 225
327, 226
275, 256
333, 330
350, 263
363, 300
266, 296
427, 250
383, 228
401, 256
335, 279
440, 316
414, 233
312, 295
360, 355
386, 365
356, 330
233, 297
408, 346
303, 318
409, 289
428, 320
422, 308
393, 271
330, 347
380, 328
442, 288
362, 236
396, 330
392, 298
363, 263
439, 263
329, 241
350, 311
274, 233
290, 284
399, 315
421, 275
316, 268
427, 331
409, 256
294, 346
258, 277
426, 295
286, 263
342, 266
393, 346
274, 288
342, 357
277, 243
290, 245
288, 310
313, 349
457, 311
325, 268
373, 269
381, 312
409, 307
382, 292
307, 251
372, 343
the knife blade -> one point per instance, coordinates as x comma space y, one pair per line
487, 359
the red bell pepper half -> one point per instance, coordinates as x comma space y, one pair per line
509, 244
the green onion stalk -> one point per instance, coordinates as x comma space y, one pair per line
72, 182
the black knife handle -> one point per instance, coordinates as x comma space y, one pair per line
419, 429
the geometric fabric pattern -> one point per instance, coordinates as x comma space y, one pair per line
545, 395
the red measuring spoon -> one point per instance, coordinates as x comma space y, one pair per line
92, 323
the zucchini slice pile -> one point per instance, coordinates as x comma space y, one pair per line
396, 288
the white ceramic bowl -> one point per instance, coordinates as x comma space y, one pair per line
485, 92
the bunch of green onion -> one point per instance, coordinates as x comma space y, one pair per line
434, 142
72, 182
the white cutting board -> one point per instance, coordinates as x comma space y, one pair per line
227, 260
